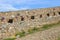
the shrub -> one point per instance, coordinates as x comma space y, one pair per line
21, 34
33, 30
10, 39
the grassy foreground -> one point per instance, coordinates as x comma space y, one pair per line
33, 30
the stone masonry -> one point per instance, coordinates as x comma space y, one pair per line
24, 19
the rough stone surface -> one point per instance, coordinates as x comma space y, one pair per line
50, 34
21, 20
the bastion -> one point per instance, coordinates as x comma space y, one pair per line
24, 19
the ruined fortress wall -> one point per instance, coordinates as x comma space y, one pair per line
28, 18
24, 19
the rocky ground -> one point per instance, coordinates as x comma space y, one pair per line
50, 34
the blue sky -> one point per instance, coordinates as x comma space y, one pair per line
12, 5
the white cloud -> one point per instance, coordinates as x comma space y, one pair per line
24, 8
7, 7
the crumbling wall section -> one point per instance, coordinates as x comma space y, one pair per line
18, 20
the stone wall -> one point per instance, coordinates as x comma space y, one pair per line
18, 20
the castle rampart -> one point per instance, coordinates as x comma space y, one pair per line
28, 18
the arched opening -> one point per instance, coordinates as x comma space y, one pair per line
10, 21
22, 18
59, 13
40, 16
54, 14
48, 15
32, 17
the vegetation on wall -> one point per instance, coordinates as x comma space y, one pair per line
33, 30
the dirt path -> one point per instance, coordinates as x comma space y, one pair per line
50, 34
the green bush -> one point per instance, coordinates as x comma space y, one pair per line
47, 26
35, 29
10, 39
21, 34
58, 37
32, 30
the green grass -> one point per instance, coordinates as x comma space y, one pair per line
21, 34
58, 38
33, 30
10, 39
47, 26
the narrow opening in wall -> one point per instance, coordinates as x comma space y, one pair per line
10, 21
0, 28
40, 16
22, 18
48, 15
32, 17
54, 14
59, 13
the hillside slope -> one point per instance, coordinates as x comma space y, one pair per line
50, 34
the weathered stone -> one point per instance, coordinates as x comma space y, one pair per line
24, 19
